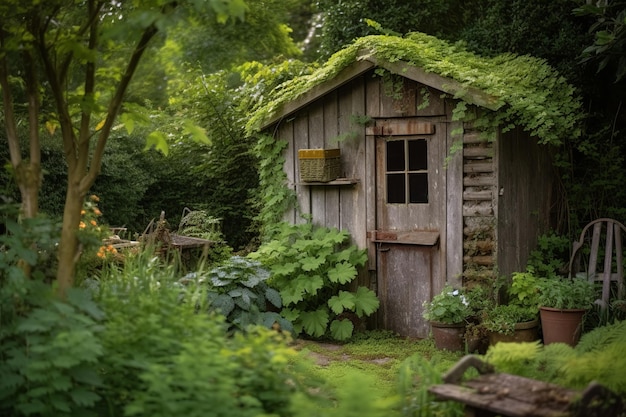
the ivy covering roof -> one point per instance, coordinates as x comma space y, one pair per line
516, 90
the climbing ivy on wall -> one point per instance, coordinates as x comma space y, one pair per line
527, 92
276, 197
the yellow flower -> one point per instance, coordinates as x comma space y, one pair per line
94, 197
81, 225
93, 223
97, 212
82, 212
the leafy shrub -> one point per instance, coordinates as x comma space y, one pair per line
49, 349
417, 374
551, 257
237, 289
199, 223
50, 354
162, 358
311, 267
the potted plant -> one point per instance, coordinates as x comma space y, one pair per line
516, 321
447, 313
563, 303
511, 323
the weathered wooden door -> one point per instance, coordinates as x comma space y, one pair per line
410, 221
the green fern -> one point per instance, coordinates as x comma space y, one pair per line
599, 356
600, 337
513, 358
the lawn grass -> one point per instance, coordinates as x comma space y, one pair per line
376, 355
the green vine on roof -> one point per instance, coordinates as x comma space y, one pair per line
527, 91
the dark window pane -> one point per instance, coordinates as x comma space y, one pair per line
418, 155
395, 155
396, 192
418, 188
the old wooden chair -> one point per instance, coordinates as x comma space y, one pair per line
601, 237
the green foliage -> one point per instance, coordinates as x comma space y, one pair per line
513, 357
200, 224
503, 318
597, 357
551, 256
417, 374
528, 27
527, 92
27, 241
524, 289
450, 306
276, 197
49, 349
609, 46
347, 20
50, 358
356, 397
212, 376
163, 358
237, 290
125, 178
566, 293
600, 356
311, 267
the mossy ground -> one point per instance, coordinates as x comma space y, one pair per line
377, 354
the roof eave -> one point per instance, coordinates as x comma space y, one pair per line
364, 63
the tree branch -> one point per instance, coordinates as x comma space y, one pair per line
115, 104
92, 19
57, 85
33, 106
90, 71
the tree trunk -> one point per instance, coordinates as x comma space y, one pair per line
28, 178
68, 246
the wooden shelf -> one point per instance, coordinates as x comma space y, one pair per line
338, 181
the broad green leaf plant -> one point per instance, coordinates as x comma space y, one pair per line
311, 266
237, 289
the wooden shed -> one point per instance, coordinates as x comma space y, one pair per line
421, 188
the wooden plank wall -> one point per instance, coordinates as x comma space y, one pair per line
526, 184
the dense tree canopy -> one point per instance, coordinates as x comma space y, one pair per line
68, 65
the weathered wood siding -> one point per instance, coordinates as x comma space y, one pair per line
494, 195
526, 180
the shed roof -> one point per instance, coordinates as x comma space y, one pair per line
525, 90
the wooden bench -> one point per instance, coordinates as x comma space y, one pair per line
493, 394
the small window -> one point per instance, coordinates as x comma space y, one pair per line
407, 171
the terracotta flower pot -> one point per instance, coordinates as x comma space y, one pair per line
564, 326
527, 331
449, 336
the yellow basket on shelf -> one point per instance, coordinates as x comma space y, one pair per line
319, 165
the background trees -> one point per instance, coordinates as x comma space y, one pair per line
71, 63
197, 80
585, 41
